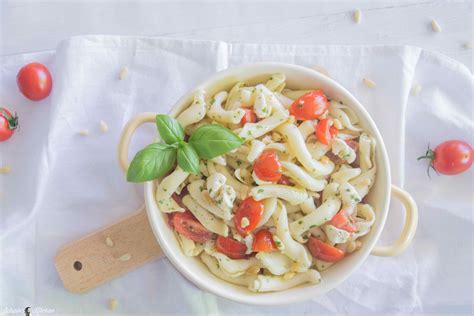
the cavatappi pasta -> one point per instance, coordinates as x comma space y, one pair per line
285, 205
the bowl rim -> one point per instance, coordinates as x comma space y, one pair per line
253, 70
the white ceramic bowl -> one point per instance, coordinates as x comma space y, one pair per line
297, 77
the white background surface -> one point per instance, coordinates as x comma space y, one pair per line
39, 25
27, 26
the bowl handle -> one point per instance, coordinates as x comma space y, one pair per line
409, 229
129, 129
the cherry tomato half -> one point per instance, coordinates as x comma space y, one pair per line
267, 167
188, 226
34, 81
8, 124
249, 117
231, 247
323, 251
263, 241
251, 210
309, 106
450, 158
342, 221
324, 132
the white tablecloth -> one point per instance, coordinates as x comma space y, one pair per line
63, 185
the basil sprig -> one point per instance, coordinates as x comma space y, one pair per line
156, 160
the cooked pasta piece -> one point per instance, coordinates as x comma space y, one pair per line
336, 235
323, 213
275, 262
255, 130
345, 173
234, 100
167, 187
213, 266
269, 206
291, 194
302, 177
307, 128
298, 148
217, 113
294, 250
203, 198
267, 283
365, 218
241, 189
276, 82
349, 196
208, 220
366, 151
195, 112
256, 148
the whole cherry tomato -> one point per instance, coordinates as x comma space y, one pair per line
450, 158
309, 106
34, 81
8, 124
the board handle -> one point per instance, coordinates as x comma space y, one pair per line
108, 253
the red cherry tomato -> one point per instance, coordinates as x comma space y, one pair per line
250, 209
267, 167
324, 132
323, 251
342, 221
284, 180
450, 158
309, 106
231, 247
34, 81
249, 117
187, 225
263, 241
8, 124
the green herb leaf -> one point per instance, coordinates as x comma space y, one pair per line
213, 140
152, 162
188, 158
169, 128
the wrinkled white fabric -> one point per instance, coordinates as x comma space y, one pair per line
63, 185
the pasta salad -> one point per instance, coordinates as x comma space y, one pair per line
265, 185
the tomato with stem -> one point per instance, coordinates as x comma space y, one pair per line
450, 157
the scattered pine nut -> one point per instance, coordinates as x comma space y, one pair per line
295, 266
123, 73
469, 45
113, 304
84, 132
109, 242
321, 70
357, 16
253, 270
369, 83
125, 257
337, 124
288, 275
435, 26
351, 246
104, 127
244, 222
276, 136
5, 169
324, 159
416, 89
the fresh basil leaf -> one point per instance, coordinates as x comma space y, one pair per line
152, 162
188, 158
169, 128
213, 140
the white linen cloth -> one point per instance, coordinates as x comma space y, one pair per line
63, 185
